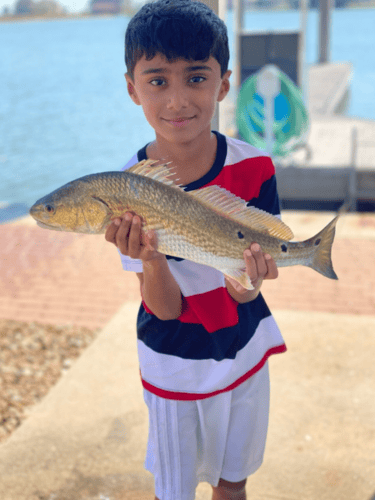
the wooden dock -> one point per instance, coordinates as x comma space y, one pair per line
329, 88
337, 163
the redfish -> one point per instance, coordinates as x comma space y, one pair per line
209, 226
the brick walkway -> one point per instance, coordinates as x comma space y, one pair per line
301, 288
62, 278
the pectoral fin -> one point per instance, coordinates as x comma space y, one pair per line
240, 276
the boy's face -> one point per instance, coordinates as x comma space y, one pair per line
178, 98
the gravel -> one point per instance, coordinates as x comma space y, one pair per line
33, 356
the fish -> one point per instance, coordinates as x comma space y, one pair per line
209, 226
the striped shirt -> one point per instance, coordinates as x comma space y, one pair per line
216, 343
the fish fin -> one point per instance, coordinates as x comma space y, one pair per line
240, 276
322, 259
231, 206
143, 165
161, 173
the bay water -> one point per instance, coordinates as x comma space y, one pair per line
65, 112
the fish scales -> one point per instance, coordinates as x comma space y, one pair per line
209, 226
178, 213
189, 223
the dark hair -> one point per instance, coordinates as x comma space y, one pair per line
178, 29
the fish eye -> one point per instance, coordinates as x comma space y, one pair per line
49, 209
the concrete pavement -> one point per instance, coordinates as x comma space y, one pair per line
87, 438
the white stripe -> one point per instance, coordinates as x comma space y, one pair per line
172, 373
239, 151
129, 264
133, 160
194, 279
168, 473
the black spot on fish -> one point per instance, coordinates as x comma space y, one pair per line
240, 235
284, 248
316, 243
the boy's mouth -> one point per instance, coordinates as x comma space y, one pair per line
180, 121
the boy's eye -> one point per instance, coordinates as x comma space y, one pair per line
156, 82
197, 79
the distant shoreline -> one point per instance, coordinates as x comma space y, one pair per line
58, 17
87, 15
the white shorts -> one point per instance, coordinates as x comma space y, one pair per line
219, 437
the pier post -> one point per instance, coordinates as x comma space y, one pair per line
352, 181
324, 30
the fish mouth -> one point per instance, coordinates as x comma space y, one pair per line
47, 226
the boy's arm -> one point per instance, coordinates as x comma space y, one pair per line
259, 266
160, 290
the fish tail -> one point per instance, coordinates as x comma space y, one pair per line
321, 259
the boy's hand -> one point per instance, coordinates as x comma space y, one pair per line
126, 233
259, 267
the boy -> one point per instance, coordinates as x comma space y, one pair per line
203, 340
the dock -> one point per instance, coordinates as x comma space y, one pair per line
336, 165
329, 88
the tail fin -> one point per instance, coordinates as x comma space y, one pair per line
322, 260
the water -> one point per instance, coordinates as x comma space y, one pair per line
65, 112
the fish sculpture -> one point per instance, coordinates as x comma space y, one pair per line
210, 226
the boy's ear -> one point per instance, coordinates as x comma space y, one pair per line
131, 89
225, 86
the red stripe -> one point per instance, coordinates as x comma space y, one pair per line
256, 171
147, 309
214, 310
185, 396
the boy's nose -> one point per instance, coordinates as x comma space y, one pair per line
177, 100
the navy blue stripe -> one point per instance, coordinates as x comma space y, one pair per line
192, 341
170, 257
268, 198
142, 153
221, 154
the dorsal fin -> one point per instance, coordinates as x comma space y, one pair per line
230, 205
161, 173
